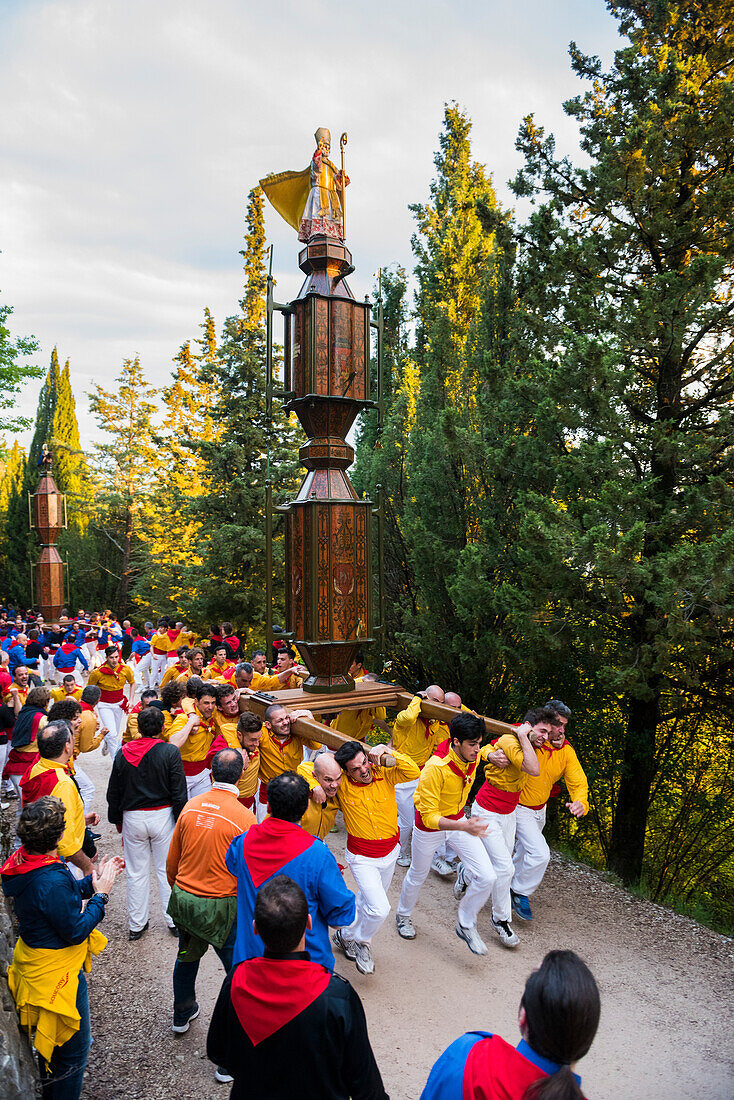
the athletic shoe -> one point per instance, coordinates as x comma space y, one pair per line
136, 935
521, 905
12, 793
173, 929
472, 939
181, 1020
442, 867
403, 860
503, 928
223, 1076
462, 883
364, 961
349, 947
95, 836
405, 927
4, 805
105, 749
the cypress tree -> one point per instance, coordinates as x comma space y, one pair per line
230, 581
626, 280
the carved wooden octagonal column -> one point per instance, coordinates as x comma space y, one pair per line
328, 530
47, 506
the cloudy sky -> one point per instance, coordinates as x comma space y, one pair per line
132, 130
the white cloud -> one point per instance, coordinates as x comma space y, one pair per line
132, 132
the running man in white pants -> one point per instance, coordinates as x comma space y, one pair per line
416, 737
442, 792
557, 761
495, 806
112, 677
367, 800
145, 795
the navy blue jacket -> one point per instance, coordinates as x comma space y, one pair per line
48, 906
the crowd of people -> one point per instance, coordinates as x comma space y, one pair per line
230, 813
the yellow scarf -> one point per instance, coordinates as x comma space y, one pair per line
44, 982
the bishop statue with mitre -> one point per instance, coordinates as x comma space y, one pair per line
311, 200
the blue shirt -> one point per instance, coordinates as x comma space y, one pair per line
48, 905
278, 847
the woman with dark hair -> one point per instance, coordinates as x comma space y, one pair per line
55, 945
558, 1018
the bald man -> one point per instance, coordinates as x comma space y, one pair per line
416, 737
318, 819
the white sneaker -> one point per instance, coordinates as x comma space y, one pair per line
405, 927
503, 928
462, 883
364, 961
223, 1076
404, 860
4, 805
472, 939
349, 947
441, 867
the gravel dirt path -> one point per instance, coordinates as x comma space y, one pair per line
667, 1026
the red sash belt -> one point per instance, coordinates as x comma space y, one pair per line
497, 801
362, 846
262, 793
420, 824
160, 652
193, 767
248, 802
542, 806
19, 760
163, 806
110, 695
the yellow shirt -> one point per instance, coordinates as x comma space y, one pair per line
250, 778
58, 694
228, 728
370, 811
87, 740
173, 672
357, 724
416, 736
219, 673
319, 818
261, 682
111, 681
278, 756
66, 790
443, 788
556, 764
131, 727
196, 746
512, 778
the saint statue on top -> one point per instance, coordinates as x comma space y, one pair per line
311, 200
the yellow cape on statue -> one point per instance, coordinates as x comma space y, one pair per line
288, 192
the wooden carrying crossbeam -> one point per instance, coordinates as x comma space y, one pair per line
367, 693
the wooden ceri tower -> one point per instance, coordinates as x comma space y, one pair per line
47, 508
329, 605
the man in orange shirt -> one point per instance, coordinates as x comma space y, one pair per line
203, 892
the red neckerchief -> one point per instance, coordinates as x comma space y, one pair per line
86, 706
107, 670
268, 993
137, 708
281, 744
269, 846
427, 724
22, 861
134, 751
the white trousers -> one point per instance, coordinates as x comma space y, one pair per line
144, 670
532, 853
476, 864
146, 835
373, 877
199, 783
406, 812
158, 667
498, 841
113, 717
85, 785
4, 750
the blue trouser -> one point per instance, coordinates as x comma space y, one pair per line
184, 974
68, 1061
